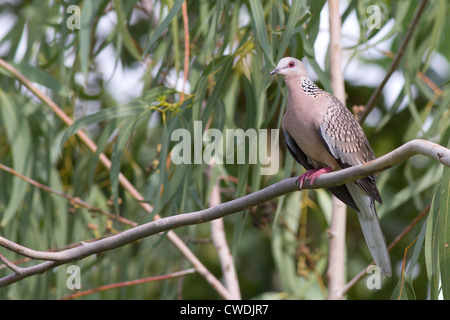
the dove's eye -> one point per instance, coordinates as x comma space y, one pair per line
291, 64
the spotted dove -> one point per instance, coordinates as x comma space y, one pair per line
322, 135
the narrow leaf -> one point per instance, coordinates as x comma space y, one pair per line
126, 36
85, 34
432, 246
103, 115
444, 233
163, 26
19, 137
257, 14
116, 158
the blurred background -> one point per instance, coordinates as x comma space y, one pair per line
132, 72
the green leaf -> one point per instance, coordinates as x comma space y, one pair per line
432, 245
222, 81
40, 76
85, 33
405, 289
133, 108
444, 233
124, 32
19, 138
103, 115
116, 158
294, 13
415, 256
163, 26
101, 144
257, 13
393, 201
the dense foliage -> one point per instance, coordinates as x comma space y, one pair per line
119, 68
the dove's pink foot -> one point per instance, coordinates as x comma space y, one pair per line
311, 175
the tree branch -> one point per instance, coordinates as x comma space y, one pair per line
220, 244
219, 239
172, 275
336, 262
285, 186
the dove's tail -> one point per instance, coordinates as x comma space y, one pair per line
370, 226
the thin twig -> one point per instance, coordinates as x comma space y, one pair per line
436, 90
371, 103
9, 264
404, 264
129, 283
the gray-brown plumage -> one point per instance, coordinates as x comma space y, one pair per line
322, 135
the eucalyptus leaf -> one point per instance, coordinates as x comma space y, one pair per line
19, 136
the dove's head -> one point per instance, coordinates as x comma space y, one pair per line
290, 68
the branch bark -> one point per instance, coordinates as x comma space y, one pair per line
220, 243
172, 275
336, 262
385, 162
